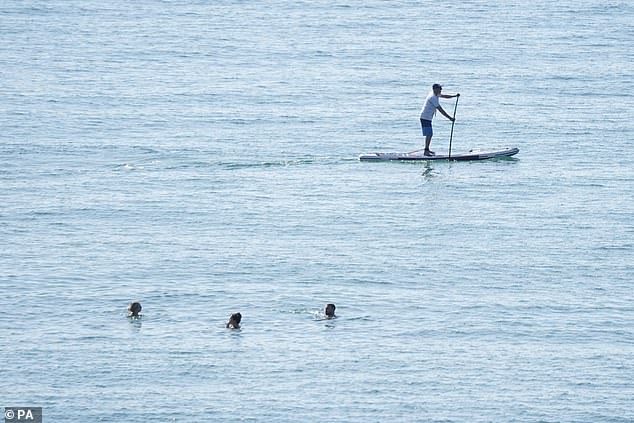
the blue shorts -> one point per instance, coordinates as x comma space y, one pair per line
426, 125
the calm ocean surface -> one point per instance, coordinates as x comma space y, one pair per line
201, 157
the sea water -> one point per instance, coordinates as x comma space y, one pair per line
201, 157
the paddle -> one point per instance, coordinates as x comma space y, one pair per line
452, 124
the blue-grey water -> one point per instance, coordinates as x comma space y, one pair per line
201, 157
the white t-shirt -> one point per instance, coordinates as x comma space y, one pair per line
429, 108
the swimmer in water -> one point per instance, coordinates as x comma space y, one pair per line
234, 321
330, 311
134, 309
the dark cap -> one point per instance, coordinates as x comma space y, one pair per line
436, 87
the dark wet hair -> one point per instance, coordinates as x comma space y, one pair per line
236, 317
436, 87
330, 310
135, 308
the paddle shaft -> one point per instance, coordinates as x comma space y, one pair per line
452, 124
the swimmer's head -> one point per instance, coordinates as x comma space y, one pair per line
134, 309
330, 310
234, 321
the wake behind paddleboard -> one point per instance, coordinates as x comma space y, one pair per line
470, 155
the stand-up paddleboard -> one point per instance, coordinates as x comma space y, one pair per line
418, 155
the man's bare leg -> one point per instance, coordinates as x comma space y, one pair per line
428, 152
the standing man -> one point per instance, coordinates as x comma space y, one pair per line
428, 111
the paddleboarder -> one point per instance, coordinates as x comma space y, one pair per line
428, 111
